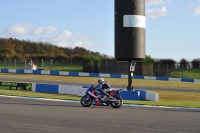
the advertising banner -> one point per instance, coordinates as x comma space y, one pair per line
15, 86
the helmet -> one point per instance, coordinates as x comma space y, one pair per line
100, 80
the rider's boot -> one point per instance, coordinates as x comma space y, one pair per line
96, 102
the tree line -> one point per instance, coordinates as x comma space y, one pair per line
12, 48
167, 62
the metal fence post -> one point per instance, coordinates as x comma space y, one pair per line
167, 69
25, 63
92, 66
42, 64
126, 69
78, 65
106, 66
62, 65
4, 63
135, 68
182, 70
51, 64
15, 63
149, 69
118, 66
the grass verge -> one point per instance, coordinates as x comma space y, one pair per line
93, 80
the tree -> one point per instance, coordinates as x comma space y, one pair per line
29, 49
80, 50
77, 58
148, 60
196, 63
167, 62
183, 63
92, 58
7, 53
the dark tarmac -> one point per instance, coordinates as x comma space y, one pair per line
21, 115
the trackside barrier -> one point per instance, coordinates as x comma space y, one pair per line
80, 91
148, 95
45, 72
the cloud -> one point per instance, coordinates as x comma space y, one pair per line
18, 29
156, 2
67, 39
156, 12
42, 34
83, 44
23, 29
44, 30
193, 9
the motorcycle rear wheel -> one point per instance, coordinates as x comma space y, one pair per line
86, 102
116, 104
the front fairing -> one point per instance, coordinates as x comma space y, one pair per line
89, 89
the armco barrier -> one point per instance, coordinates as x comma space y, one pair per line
80, 91
21, 71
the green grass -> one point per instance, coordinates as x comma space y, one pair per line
166, 98
46, 66
93, 80
171, 99
188, 73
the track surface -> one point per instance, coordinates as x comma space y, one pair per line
88, 84
19, 115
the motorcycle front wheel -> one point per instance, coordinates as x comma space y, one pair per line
117, 103
86, 101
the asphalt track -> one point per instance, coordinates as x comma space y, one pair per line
21, 115
88, 84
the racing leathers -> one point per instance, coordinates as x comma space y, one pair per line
102, 89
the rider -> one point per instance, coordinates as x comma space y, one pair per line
102, 88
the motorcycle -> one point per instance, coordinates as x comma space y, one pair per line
112, 98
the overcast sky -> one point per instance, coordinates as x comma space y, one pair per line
172, 29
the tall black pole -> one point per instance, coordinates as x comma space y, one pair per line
129, 77
130, 27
